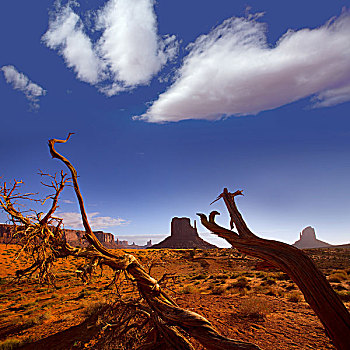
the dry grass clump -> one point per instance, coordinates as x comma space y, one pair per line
217, 290
200, 276
9, 344
242, 282
338, 276
35, 320
188, 289
344, 295
294, 297
283, 277
254, 308
93, 308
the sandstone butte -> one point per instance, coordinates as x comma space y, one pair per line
183, 236
308, 240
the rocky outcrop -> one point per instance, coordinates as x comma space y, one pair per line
6, 233
308, 240
75, 238
183, 236
106, 238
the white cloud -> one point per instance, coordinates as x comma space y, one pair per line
22, 83
66, 34
233, 71
130, 45
332, 97
67, 201
73, 219
128, 53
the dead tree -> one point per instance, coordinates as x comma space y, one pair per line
294, 262
42, 238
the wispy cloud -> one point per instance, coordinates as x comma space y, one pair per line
66, 34
22, 83
128, 53
67, 201
73, 219
233, 71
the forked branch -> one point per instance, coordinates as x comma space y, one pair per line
168, 314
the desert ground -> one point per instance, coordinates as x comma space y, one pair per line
240, 298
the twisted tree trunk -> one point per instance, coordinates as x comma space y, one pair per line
169, 313
294, 262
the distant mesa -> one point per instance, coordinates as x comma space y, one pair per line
183, 236
75, 238
308, 240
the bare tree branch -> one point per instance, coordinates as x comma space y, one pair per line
294, 262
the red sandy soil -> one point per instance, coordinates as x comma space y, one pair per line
264, 308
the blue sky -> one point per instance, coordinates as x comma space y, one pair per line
171, 102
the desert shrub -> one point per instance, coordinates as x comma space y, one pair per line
211, 285
344, 295
291, 287
204, 264
84, 293
283, 277
10, 344
93, 308
242, 282
192, 253
254, 308
249, 274
235, 274
260, 275
243, 291
260, 289
5, 314
339, 287
46, 305
272, 291
268, 282
189, 289
281, 292
29, 312
337, 277
294, 297
217, 290
45, 316
200, 276
31, 322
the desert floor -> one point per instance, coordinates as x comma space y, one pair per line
242, 301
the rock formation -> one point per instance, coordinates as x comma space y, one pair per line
75, 238
106, 238
183, 236
6, 233
308, 240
